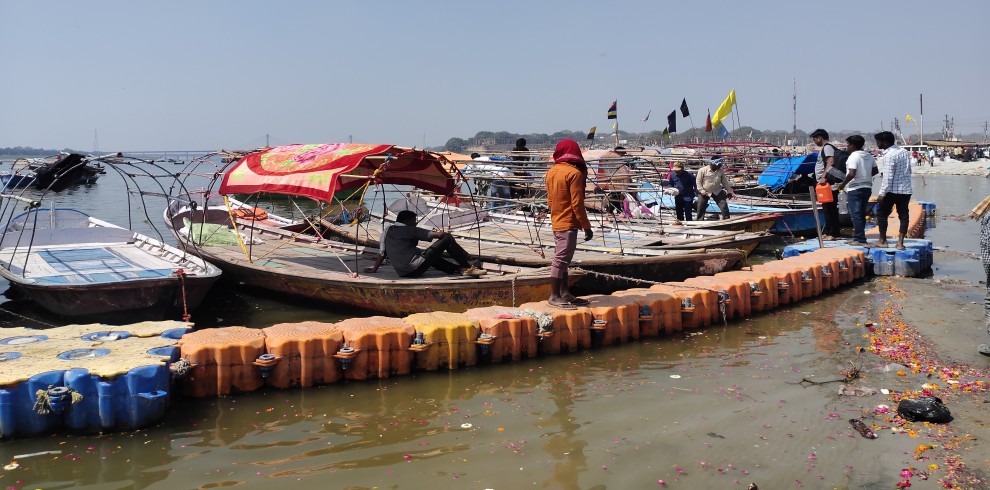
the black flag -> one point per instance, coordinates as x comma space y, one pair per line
684, 109
672, 121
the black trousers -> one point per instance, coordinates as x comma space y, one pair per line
684, 208
720, 200
831, 210
433, 257
890, 200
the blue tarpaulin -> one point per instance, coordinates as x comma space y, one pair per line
778, 173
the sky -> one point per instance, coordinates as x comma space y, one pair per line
206, 75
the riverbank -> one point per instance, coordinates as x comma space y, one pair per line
954, 167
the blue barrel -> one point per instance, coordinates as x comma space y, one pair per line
131, 401
17, 414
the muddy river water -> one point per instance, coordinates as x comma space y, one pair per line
721, 407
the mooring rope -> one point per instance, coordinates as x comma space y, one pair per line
43, 403
721, 301
27, 318
186, 317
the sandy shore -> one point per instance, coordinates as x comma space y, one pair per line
931, 351
954, 167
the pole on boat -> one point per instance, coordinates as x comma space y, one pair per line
814, 211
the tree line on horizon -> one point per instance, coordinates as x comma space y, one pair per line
27, 151
542, 141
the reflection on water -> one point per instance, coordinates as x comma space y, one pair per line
612, 416
709, 409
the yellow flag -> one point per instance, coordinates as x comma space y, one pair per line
908, 118
725, 109
614, 126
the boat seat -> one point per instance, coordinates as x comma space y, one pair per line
66, 236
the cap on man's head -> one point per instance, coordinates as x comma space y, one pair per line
715, 161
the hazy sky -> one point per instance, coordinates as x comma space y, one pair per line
203, 75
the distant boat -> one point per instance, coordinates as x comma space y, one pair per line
52, 173
75, 265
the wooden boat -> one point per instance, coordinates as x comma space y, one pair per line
265, 251
795, 218
613, 265
75, 265
309, 266
432, 173
469, 222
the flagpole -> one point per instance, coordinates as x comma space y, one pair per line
738, 121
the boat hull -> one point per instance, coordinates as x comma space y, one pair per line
149, 299
396, 300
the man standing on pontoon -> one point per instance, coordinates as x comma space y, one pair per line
566, 182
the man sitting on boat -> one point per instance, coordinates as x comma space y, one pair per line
398, 244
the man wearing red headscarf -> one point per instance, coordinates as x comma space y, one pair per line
565, 197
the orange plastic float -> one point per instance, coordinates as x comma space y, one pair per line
822, 276
811, 281
844, 264
853, 259
763, 295
699, 305
789, 288
659, 312
917, 219
223, 360
617, 317
738, 305
380, 345
449, 340
304, 353
513, 335
571, 328
829, 267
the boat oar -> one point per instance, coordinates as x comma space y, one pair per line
814, 211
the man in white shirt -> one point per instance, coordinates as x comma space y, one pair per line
712, 183
895, 188
858, 185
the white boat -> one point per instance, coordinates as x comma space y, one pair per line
75, 265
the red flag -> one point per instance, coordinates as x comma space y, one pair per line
708, 122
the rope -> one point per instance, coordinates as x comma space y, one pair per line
233, 222
43, 404
27, 318
180, 368
514, 290
721, 302
186, 317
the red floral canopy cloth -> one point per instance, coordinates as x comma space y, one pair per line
318, 171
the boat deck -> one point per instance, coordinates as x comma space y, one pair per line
90, 264
302, 256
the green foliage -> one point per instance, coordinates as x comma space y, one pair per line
27, 151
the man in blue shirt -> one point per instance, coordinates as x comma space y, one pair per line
685, 183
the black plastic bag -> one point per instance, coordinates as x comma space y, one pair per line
925, 409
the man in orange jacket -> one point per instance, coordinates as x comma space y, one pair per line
566, 182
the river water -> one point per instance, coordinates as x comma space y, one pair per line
717, 408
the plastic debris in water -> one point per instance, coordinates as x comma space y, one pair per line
863, 429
